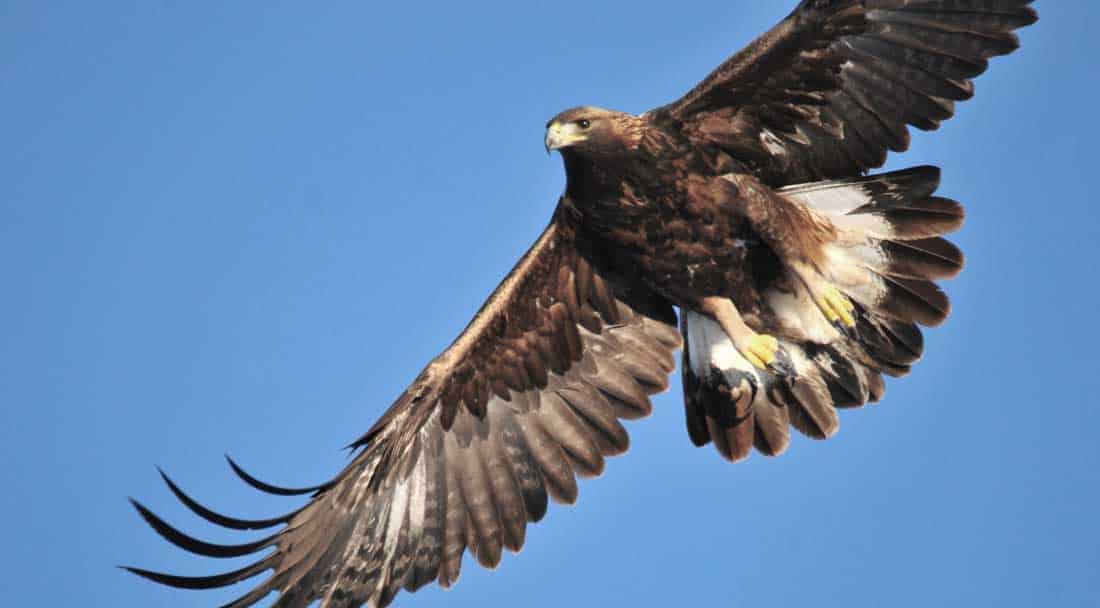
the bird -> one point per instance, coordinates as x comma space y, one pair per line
740, 225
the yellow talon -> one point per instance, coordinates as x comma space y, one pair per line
837, 306
761, 350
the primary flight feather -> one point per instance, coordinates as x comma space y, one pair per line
746, 205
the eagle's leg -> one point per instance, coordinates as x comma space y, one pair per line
799, 237
762, 350
836, 306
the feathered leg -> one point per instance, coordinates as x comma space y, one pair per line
800, 238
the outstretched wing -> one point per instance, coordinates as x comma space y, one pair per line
527, 397
829, 90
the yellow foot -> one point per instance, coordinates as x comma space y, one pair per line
761, 350
836, 306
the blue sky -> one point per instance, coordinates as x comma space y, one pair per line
244, 227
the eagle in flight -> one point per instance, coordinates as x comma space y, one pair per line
800, 280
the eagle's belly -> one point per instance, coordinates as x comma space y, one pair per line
726, 260
685, 251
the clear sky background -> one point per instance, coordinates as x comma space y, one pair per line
244, 227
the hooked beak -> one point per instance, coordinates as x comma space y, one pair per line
560, 136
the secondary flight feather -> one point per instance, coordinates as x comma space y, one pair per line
745, 205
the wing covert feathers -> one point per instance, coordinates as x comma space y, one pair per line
529, 398
831, 89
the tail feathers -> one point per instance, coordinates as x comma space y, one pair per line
738, 407
808, 399
726, 397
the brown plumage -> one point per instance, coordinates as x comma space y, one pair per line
800, 282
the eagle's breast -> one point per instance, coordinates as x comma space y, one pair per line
661, 212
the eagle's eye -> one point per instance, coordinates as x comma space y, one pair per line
584, 123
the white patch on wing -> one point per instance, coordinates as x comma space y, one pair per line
851, 262
837, 201
828, 196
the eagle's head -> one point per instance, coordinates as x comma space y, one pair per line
590, 129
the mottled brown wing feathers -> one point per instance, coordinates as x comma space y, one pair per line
529, 397
827, 92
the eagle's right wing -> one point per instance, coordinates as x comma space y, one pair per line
528, 396
827, 92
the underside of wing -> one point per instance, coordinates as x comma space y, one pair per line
530, 397
831, 89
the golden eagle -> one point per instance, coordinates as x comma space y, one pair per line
800, 281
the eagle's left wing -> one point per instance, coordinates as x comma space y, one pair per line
530, 394
827, 92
